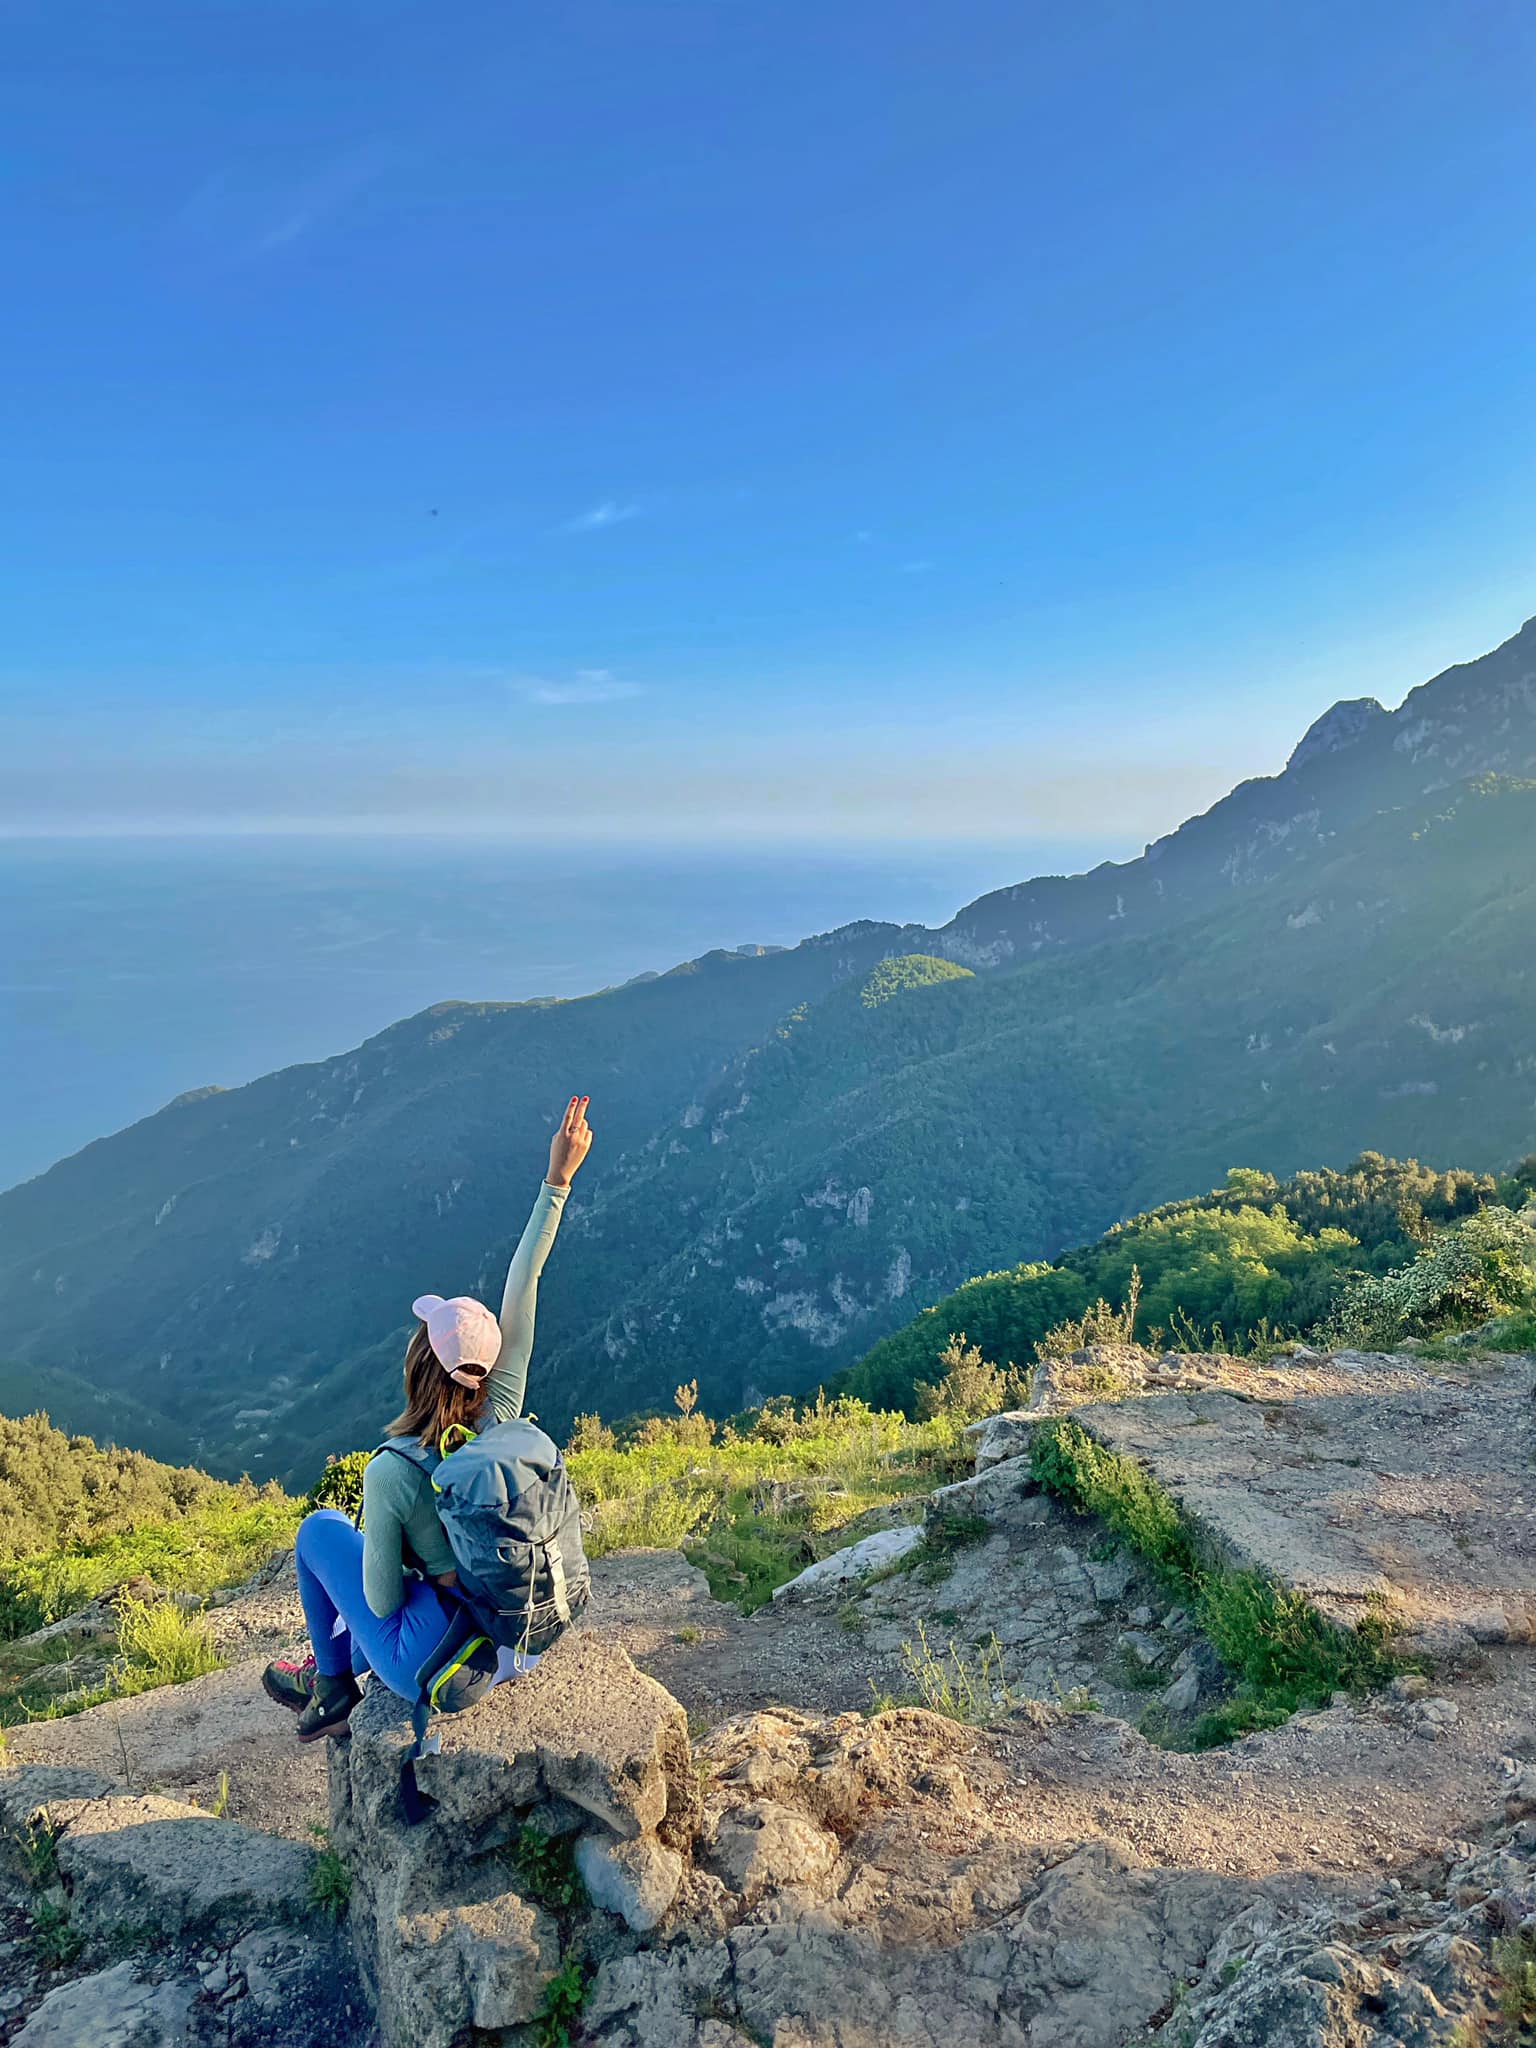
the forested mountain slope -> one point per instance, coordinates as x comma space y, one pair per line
796, 1152
1381, 994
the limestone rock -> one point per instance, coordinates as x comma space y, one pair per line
447, 1931
481, 1959
1183, 1696
1111, 1580
585, 1728
636, 1880
844, 1569
1003, 1495
115, 2008
766, 1845
997, 1438
153, 1863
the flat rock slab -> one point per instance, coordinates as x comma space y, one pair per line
155, 1864
1410, 1487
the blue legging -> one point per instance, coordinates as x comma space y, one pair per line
328, 1552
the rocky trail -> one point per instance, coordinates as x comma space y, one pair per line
815, 1878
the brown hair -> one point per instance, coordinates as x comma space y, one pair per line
433, 1401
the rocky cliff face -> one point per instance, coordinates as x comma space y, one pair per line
1478, 718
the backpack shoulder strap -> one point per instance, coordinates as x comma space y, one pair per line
417, 1454
413, 1452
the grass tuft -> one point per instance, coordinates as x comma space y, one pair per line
1514, 1970
55, 1941
330, 1880
962, 1686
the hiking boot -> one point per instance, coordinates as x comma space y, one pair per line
330, 1706
290, 1681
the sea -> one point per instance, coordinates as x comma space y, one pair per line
134, 969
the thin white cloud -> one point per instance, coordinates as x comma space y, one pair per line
610, 512
243, 216
917, 568
587, 686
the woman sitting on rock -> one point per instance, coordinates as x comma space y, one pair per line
371, 1597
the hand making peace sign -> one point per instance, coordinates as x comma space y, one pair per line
570, 1144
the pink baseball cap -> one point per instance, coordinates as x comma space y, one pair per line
463, 1334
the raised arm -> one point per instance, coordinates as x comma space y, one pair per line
508, 1382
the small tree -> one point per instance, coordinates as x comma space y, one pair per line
686, 1399
1101, 1325
971, 1387
590, 1433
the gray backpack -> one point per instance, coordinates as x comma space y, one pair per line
514, 1524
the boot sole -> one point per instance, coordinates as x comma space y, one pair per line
330, 1728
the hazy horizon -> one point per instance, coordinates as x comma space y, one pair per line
134, 970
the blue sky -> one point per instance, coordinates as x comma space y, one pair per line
734, 420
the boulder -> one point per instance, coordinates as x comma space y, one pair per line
842, 1572
174, 1870
447, 1919
481, 1959
765, 1846
997, 1438
1004, 1495
636, 1880
114, 2008
234, 1954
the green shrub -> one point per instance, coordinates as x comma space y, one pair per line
1479, 1268
560, 2012
970, 1387
1076, 1468
340, 1485
590, 1433
1098, 1324
546, 1869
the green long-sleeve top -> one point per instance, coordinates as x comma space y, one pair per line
399, 1515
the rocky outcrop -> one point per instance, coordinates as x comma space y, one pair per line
1422, 1958
849, 1893
1339, 727
452, 1932
226, 1946
1369, 1484
840, 1884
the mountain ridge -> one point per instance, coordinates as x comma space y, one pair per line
169, 1263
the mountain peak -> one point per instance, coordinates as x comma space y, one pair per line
1339, 727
